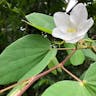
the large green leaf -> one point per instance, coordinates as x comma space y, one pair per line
42, 22
34, 70
67, 88
78, 58
41, 65
25, 55
73, 88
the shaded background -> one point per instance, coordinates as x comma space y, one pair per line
12, 12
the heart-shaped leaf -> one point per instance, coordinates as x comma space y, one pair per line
25, 55
34, 70
67, 88
73, 88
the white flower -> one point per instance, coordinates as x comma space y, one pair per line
71, 4
73, 27
67, 1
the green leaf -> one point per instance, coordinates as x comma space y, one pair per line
41, 65
34, 70
90, 54
67, 88
73, 88
53, 63
25, 57
78, 58
42, 22
90, 79
90, 75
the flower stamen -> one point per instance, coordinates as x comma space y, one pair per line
71, 30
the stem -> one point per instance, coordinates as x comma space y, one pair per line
71, 74
86, 47
27, 22
10, 87
35, 78
32, 80
66, 48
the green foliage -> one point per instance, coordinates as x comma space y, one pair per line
78, 58
90, 54
33, 71
90, 75
24, 57
53, 63
66, 88
47, 24
70, 88
31, 54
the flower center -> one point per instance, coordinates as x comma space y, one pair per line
71, 30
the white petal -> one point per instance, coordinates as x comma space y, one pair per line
61, 19
71, 4
79, 14
66, 1
63, 34
59, 34
66, 35
76, 39
85, 26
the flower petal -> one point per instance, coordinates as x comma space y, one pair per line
64, 35
71, 4
66, 1
57, 33
85, 26
71, 37
61, 19
76, 39
79, 14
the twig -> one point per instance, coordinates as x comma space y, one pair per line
35, 78
66, 48
72, 75
86, 47
32, 80
10, 87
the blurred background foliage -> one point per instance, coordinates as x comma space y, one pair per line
12, 12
